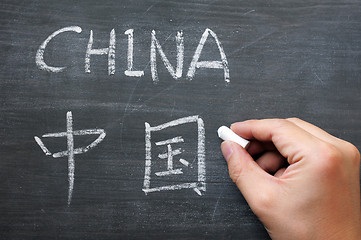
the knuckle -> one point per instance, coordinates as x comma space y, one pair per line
234, 174
279, 124
294, 119
330, 157
352, 152
279, 127
285, 122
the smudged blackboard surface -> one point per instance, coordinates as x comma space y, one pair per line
285, 58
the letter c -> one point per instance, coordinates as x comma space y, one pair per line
39, 58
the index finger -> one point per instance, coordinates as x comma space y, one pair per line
290, 140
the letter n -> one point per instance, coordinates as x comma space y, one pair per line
155, 45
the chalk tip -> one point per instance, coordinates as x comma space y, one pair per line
226, 133
221, 130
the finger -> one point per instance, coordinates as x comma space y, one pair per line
280, 172
271, 162
316, 131
290, 140
245, 172
256, 147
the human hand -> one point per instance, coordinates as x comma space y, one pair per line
305, 183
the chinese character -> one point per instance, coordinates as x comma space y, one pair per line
71, 151
169, 158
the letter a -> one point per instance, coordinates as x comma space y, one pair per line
209, 64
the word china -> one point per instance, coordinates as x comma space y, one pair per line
175, 72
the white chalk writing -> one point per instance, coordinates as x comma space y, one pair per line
71, 151
110, 51
39, 58
176, 74
155, 47
130, 72
169, 155
209, 64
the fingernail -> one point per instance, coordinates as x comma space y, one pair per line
227, 150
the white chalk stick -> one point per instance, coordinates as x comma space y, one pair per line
227, 134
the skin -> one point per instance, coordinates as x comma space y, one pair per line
300, 181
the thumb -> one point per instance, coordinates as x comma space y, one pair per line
256, 185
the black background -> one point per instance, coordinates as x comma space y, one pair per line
286, 58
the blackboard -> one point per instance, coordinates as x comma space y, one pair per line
88, 103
